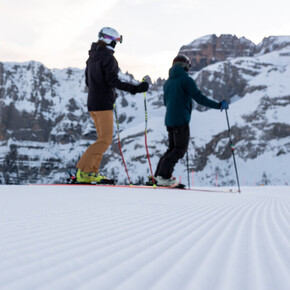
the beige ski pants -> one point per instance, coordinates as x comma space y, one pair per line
91, 159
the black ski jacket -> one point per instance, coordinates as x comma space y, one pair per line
102, 79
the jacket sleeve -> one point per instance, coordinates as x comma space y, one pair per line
111, 70
197, 95
86, 77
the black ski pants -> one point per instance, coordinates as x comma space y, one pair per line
178, 143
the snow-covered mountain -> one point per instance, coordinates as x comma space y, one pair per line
210, 49
45, 126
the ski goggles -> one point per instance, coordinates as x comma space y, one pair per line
120, 39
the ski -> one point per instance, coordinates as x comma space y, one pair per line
72, 181
109, 185
135, 186
182, 186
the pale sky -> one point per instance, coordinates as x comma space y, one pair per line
59, 33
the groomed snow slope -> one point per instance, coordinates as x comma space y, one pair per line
71, 237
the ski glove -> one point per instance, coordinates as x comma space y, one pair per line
224, 105
143, 87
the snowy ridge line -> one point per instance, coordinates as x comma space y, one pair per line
138, 186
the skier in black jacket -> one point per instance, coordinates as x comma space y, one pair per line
102, 80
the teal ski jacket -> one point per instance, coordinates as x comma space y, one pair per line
179, 90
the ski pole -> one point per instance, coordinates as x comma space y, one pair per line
119, 142
187, 166
146, 121
232, 149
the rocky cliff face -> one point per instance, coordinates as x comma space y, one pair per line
40, 108
211, 49
45, 127
272, 43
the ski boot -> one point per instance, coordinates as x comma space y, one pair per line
93, 178
160, 181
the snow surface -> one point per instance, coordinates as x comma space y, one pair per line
86, 237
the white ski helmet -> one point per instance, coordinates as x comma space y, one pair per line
108, 35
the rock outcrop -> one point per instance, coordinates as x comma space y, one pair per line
211, 49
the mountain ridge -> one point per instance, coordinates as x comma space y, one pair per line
211, 49
45, 126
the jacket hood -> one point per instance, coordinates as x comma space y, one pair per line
97, 50
176, 71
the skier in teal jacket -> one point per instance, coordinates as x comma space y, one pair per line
179, 90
